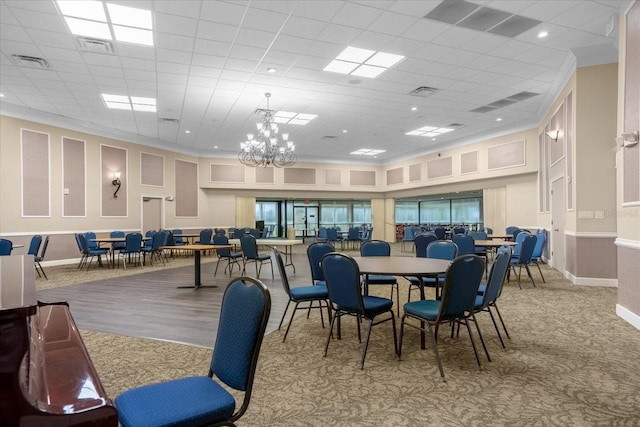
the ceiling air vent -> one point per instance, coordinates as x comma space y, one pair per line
423, 91
329, 137
483, 109
30, 61
455, 125
521, 96
167, 121
95, 45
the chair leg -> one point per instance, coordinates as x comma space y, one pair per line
495, 325
225, 270
540, 270
434, 345
290, 321
42, 270
366, 343
501, 321
326, 347
473, 343
284, 314
529, 274
484, 344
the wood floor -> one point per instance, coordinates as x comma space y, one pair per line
149, 305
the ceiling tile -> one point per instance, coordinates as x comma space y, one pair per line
172, 24
356, 15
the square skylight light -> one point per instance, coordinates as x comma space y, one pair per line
362, 62
126, 24
123, 102
287, 117
429, 131
130, 16
367, 152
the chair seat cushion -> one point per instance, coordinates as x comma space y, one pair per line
477, 305
381, 279
376, 305
429, 282
191, 401
263, 257
303, 293
426, 309
98, 251
482, 289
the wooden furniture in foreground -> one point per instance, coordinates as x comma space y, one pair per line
46, 375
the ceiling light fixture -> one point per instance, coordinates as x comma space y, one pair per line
542, 34
499, 119
271, 70
265, 148
429, 131
367, 152
362, 62
124, 102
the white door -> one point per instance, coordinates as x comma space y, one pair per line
151, 214
558, 212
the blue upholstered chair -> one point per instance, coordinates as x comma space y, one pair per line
408, 236
342, 276
456, 305
301, 294
333, 237
34, 245
116, 246
536, 256
250, 254
178, 240
353, 236
439, 249
39, 258
523, 259
89, 254
380, 248
315, 252
232, 257
421, 241
441, 233
322, 234
458, 230
6, 246
465, 244
132, 249
91, 243
155, 250
205, 237
489, 293
201, 400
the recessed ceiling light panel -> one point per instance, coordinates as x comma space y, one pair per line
130, 16
354, 54
362, 62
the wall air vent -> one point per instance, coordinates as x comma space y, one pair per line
167, 121
95, 45
423, 91
30, 61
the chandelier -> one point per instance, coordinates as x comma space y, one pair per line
268, 147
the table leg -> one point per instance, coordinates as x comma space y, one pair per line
197, 284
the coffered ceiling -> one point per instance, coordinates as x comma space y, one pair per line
477, 67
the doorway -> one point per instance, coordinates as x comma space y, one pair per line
151, 213
305, 221
558, 209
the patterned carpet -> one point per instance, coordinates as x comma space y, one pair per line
570, 362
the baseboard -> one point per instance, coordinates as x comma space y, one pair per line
591, 281
628, 316
60, 262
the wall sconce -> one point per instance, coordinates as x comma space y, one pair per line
630, 139
116, 183
553, 135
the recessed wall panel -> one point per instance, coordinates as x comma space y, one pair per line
332, 177
415, 172
35, 173
394, 176
299, 176
469, 162
556, 148
631, 155
507, 155
440, 168
151, 169
73, 177
114, 159
362, 178
186, 188
568, 132
227, 173
265, 175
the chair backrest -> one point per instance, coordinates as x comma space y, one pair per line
478, 235
116, 234
205, 236
510, 229
517, 232
541, 238
526, 249
465, 244
233, 233
488, 230
375, 248
461, 286
440, 233
421, 241
282, 271
332, 233
169, 239
221, 231
6, 246
408, 233
177, 239
88, 236
82, 241
255, 233
442, 249
249, 246
34, 246
322, 233
343, 282
459, 230
239, 338
132, 242
496, 278
221, 239
158, 239
44, 248
149, 235
519, 238
354, 233
315, 252
368, 233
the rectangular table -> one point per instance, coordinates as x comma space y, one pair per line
277, 243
